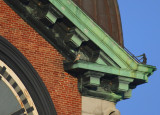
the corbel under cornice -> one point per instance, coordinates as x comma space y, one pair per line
105, 82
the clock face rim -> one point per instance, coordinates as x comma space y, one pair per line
15, 85
19, 64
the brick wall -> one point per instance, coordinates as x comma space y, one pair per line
45, 59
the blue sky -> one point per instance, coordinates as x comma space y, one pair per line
141, 32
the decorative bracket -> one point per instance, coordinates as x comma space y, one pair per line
100, 84
124, 83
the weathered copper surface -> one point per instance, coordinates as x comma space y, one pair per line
106, 14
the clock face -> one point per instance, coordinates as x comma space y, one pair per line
14, 97
22, 91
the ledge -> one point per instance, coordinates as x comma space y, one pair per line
107, 69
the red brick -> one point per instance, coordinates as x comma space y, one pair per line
47, 61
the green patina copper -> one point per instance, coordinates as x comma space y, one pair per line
108, 69
129, 70
112, 74
98, 36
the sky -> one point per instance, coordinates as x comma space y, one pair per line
141, 33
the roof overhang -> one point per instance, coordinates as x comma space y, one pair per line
98, 36
104, 62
